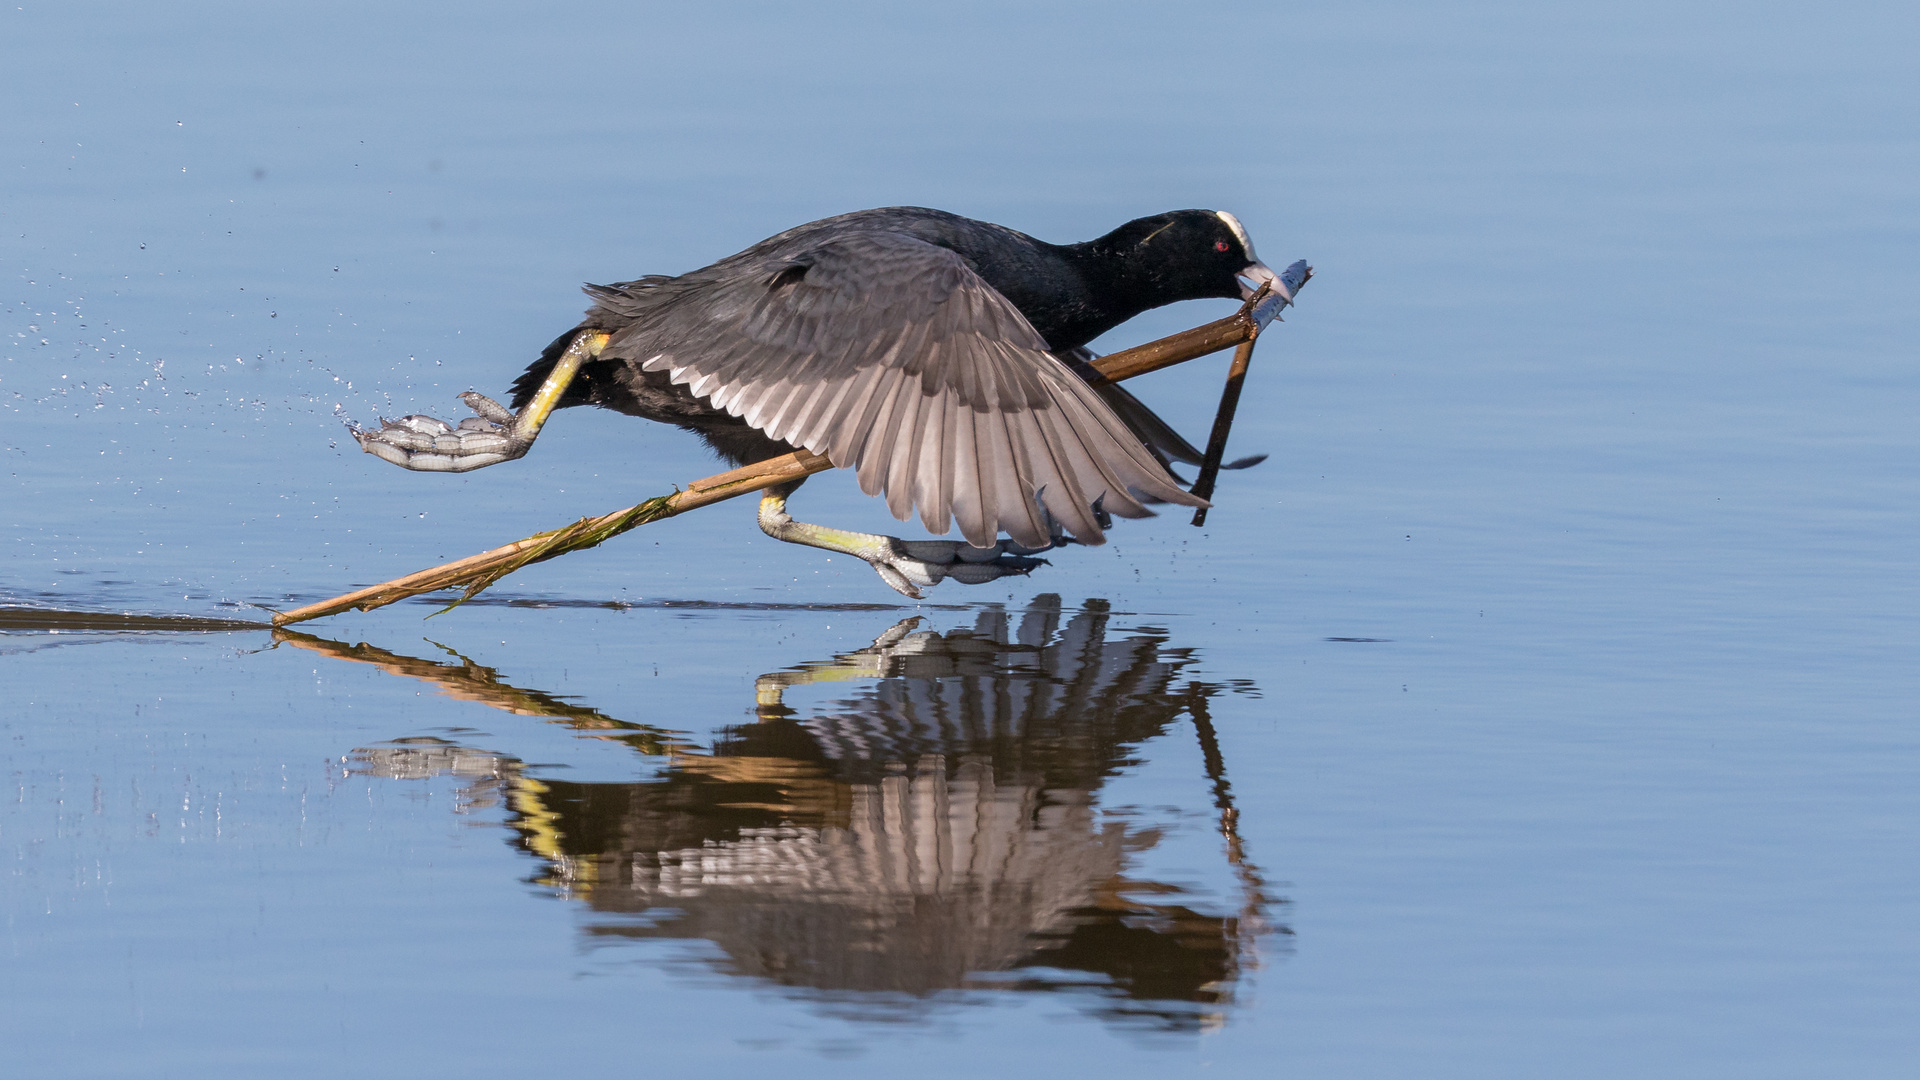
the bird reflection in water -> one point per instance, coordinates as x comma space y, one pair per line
935, 831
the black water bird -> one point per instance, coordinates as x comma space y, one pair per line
935, 355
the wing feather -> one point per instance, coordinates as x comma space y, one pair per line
890, 356
902, 485
969, 503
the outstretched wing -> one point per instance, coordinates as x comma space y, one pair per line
891, 356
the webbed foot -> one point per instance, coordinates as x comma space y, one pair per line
492, 435
424, 444
911, 565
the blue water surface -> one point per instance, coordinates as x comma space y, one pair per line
1543, 705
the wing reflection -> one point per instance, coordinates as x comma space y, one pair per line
936, 830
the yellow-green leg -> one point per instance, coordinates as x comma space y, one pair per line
907, 565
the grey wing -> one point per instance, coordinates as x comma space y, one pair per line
890, 356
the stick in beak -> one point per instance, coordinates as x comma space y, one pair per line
1278, 290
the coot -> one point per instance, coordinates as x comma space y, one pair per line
933, 354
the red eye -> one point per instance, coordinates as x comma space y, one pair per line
1220, 245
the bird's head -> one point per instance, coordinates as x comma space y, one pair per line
1191, 255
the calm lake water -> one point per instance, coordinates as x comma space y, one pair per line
1544, 706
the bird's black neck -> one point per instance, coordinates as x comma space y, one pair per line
1071, 293
1080, 293
1112, 285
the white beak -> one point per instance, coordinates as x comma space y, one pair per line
1256, 274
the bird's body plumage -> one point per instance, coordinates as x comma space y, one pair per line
921, 349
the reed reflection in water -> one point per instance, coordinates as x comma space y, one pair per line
937, 830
